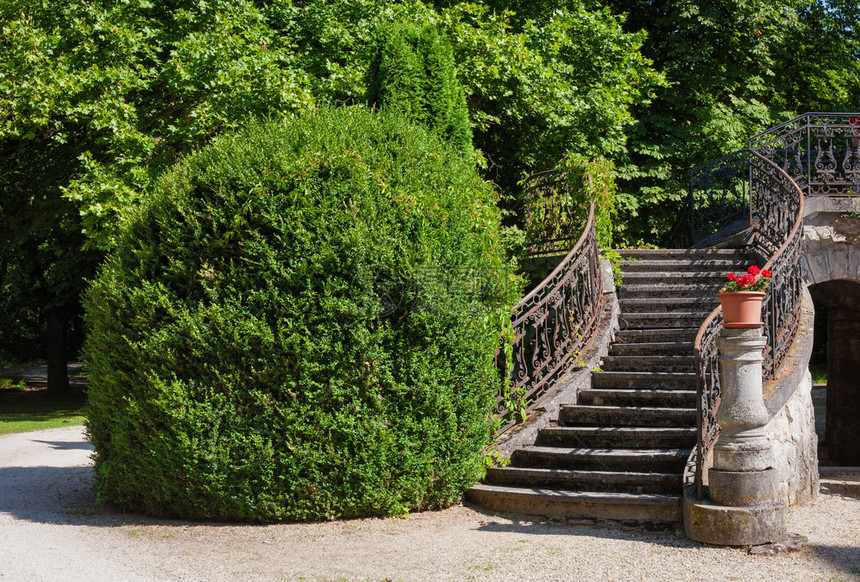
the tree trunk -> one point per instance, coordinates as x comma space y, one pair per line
58, 373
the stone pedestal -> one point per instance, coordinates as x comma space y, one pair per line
742, 506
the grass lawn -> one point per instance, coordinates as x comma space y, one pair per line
26, 410
819, 372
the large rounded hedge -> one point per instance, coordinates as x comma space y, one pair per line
300, 324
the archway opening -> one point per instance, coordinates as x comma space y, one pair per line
837, 349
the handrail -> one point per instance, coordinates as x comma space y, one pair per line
552, 324
777, 221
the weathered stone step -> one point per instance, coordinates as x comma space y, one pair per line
659, 277
658, 398
580, 480
680, 254
649, 362
668, 304
623, 350
669, 334
611, 459
722, 265
652, 507
676, 288
661, 320
629, 437
645, 380
584, 415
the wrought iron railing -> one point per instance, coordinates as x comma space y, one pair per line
551, 325
719, 195
777, 231
819, 151
551, 221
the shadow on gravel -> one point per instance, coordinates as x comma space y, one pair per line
67, 445
845, 558
66, 496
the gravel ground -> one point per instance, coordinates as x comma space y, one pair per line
51, 529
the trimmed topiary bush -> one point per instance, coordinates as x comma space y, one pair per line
300, 324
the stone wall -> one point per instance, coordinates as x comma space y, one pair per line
788, 399
795, 446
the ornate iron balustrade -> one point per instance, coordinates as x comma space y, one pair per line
777, 221
552, 324
719, 194
551, 221
819, 151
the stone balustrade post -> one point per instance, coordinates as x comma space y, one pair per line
742, 506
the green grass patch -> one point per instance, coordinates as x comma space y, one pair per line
28, 410
819, 373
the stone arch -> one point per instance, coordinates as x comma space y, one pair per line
832, 270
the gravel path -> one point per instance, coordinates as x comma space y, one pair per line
51, 529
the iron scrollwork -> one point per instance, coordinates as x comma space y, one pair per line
777, 224
820, 152
719, 193
553, 323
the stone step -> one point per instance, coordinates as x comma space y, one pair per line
643, 380
669, 334
583, 415
722, 265
662, 320
654, 362
625, 350
659, 277
629, 437
668, 304
656, 398
680, 254
652, 507
706, 290
610, 459
580, 480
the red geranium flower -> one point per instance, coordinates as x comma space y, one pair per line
749, 281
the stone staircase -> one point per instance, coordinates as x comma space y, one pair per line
620, 451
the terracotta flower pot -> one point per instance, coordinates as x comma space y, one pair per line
741, 308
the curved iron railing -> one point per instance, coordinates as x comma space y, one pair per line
819, 151
550, 219
552, 324
719, 195
777, 223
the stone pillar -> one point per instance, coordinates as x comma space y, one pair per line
742, 507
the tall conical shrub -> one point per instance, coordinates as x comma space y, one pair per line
412, 71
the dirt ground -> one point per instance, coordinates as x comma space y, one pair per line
52, 529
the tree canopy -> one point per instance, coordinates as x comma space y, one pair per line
99, 98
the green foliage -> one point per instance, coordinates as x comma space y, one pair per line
300, 324
719, 60
819, 62
591, 181
412, 70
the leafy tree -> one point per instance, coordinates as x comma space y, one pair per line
98, 97
818, 66
719, 60
559, 77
